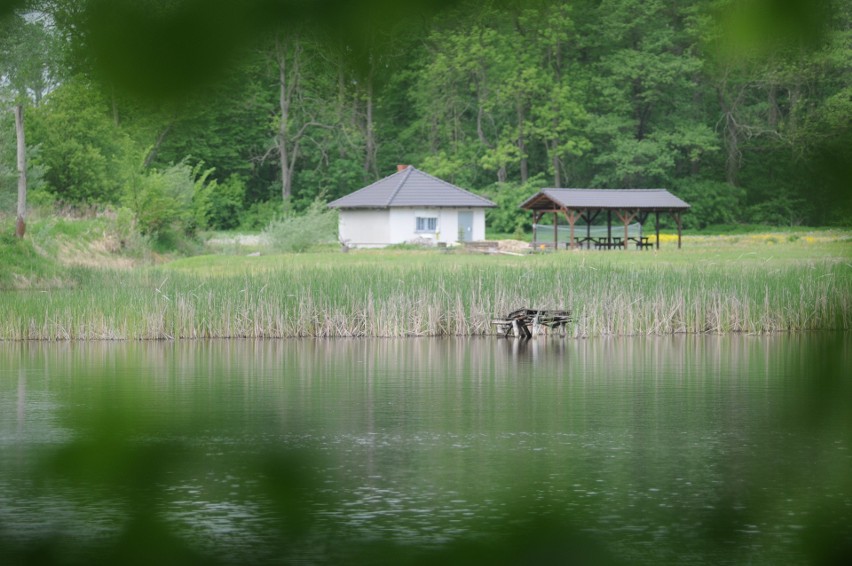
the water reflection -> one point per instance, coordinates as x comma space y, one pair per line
704, 449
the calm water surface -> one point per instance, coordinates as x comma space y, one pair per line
699, 449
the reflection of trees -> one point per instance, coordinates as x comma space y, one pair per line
670, 433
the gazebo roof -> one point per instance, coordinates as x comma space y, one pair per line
613, 199
411, 187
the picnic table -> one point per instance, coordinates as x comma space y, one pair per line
608, 243
641, 242
601, 243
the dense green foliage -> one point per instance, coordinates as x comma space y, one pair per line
746, 114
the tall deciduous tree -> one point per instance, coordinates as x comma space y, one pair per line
21, 210
26, 72
299, 110
644, 81
86, 154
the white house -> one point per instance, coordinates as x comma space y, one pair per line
410, 205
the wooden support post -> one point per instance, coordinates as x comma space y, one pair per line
626, 218
657, 226
609, 226
643, 217
520, 329
679, 223
555, 231
588, 218
535, 221
571, 216
536, 218
588, 230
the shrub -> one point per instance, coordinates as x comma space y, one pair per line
127, 232
164, 200
172, 239
712, 202
218, 205
507, 217
781, 210
297, 233
260, 214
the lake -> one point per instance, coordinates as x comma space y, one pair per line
700, 449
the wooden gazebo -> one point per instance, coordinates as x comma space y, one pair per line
588, 204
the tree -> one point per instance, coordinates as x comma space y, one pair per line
608, 93
24, 54
646, 92
558, 110
21, 210
298, 111
87, 156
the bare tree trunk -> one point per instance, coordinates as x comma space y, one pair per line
152, 153
792, 122
557, 164
370, 133
290, 132
284, 110
20, 221
522, 145
732, 139
342, 103
774, 111
480, 132
730, 96
286, 90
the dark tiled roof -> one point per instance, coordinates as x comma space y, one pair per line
647, 199
411, 187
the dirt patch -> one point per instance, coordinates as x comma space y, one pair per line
239, 239
100, 252
513, 246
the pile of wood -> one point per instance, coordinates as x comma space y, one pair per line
484, 246
525, 323
506, 247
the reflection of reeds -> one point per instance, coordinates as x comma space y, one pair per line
442, 299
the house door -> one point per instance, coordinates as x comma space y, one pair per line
466, 226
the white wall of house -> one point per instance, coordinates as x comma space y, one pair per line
478, 224
364, 228
375, 228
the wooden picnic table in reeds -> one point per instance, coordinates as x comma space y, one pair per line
525, 323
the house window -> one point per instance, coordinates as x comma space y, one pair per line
427, 223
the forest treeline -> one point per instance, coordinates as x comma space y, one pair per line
221, 115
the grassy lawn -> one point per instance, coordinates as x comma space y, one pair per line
746, 249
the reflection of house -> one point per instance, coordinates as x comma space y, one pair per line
410, 205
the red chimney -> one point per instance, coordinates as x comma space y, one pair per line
401, 167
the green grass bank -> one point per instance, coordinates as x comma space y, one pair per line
754, 283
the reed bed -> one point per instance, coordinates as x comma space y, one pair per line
387, 298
